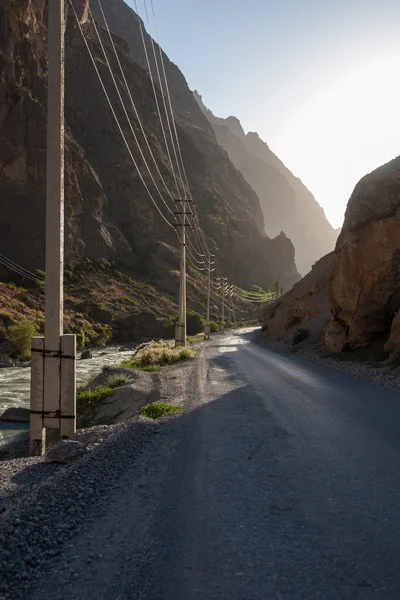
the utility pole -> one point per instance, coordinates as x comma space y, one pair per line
233, 307
224, 279
53, 381
229, 294
180, 329
207, 332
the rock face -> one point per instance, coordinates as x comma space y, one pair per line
286, 203
358, 286
108, 214
306, 305
364, 288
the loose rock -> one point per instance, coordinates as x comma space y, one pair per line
65, 452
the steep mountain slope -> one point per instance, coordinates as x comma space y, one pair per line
108, 214
286, 203
351, 297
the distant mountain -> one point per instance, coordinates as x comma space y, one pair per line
286, 203
107, 212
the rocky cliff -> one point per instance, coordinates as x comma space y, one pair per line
108, 214
286, 203
352, 296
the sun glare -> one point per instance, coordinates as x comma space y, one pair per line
348, 129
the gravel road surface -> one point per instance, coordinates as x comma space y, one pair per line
280, 480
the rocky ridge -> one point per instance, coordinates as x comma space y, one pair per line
286, 203
351, 298
108, 215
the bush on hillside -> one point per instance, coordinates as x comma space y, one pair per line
214, 327
299, 335
20, 336
195, 323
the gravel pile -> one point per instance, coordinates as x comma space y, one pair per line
35, 527
385, 375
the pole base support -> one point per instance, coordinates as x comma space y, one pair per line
207, 331
180, 334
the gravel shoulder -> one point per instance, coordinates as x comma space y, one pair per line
42, 505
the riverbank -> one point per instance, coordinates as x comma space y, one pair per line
15, 384
25, 483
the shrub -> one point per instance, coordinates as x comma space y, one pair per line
89, 398
195, 323
214, 326
158, 409
20, 336
299, 335
114, 381
103, 335
158, 354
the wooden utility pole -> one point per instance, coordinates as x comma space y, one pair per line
53, 359
180, 329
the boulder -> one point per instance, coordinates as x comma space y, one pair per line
65, 452
393, 343
101, 315
16, 415
5, 363
86, 354
139, 325
335, 337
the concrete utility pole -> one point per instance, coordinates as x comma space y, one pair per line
180, 329
233, 307
207, 332
224, 279
53, 387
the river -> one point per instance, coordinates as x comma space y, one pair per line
15, 386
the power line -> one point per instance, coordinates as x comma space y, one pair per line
20, 271
12, 263
124, 106
115, 116
157, 103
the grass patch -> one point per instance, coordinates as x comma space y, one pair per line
92, 397
158, 409
158, 354
86, 402
116, 380
191, 339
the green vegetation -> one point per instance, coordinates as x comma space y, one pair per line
90, 398
195, 323
20, 336
191, 339
131, 301
98, 336
158, 409
299, 335
157, 354
114, 381
214, 327
277, 288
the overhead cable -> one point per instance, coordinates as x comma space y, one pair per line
115, 116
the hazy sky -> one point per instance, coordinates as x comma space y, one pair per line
318, 80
